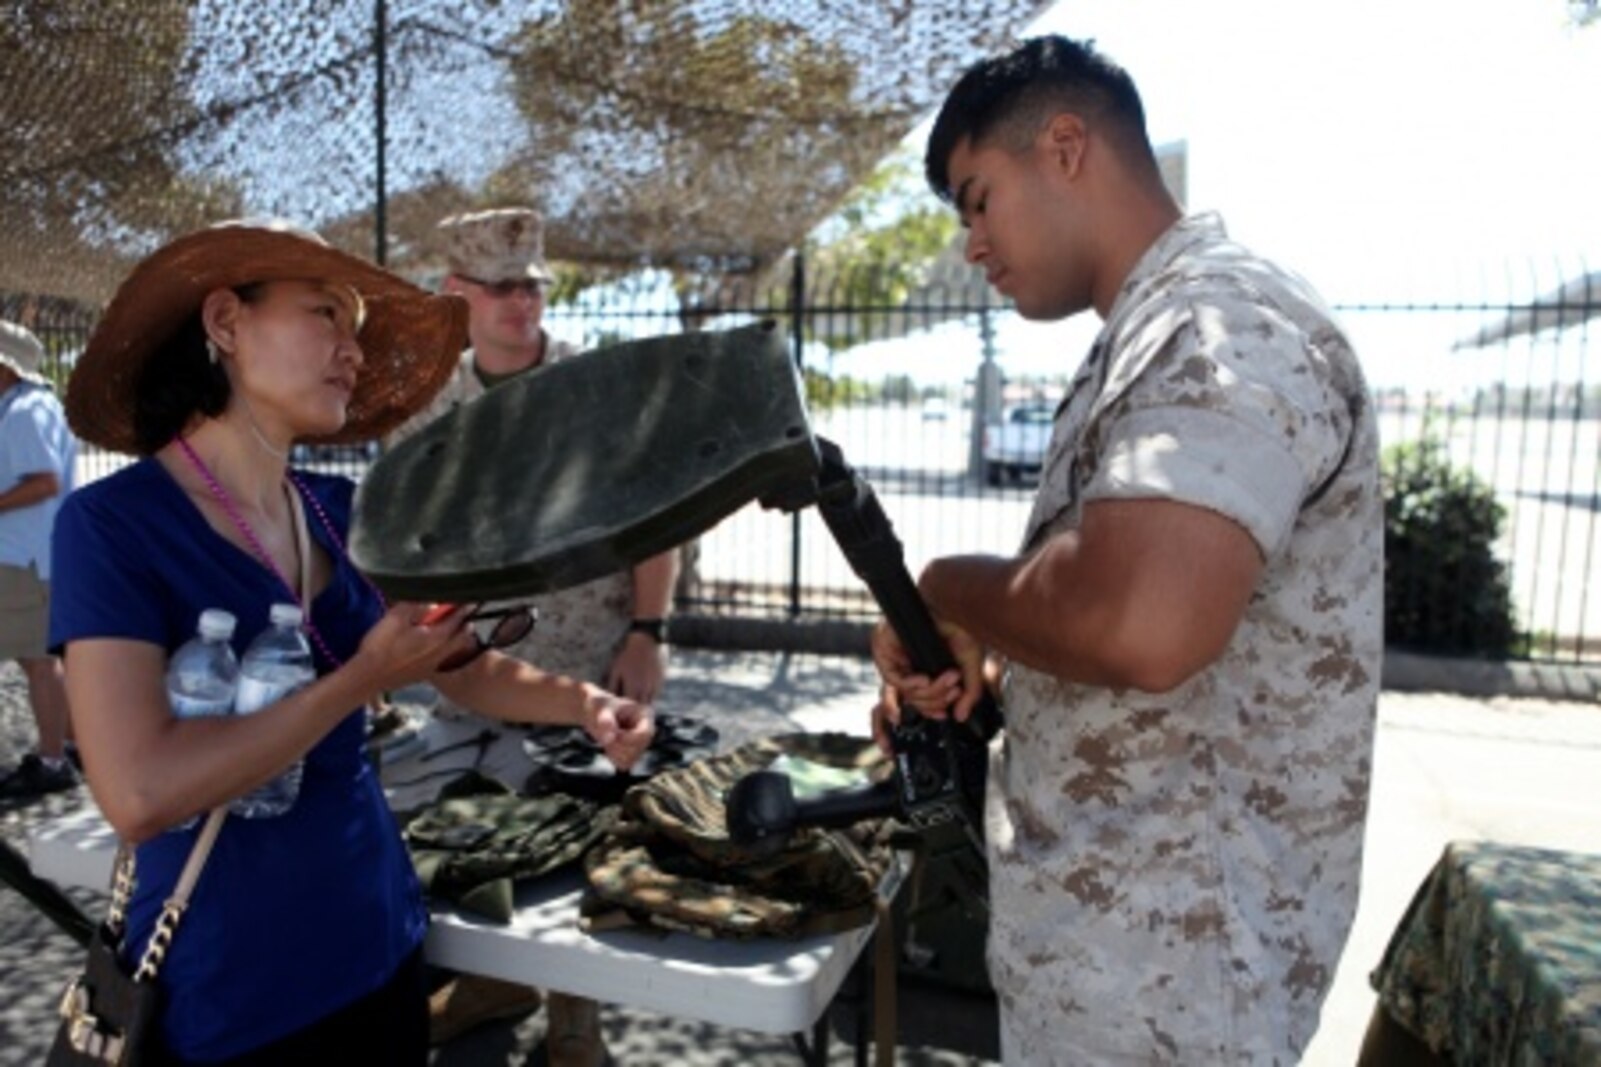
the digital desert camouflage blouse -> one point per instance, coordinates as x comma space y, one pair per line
1197, 853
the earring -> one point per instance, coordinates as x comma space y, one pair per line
212, 352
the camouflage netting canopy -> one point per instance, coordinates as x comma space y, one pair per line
703, 135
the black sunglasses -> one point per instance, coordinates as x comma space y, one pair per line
512, 624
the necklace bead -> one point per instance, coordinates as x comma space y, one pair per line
226, 502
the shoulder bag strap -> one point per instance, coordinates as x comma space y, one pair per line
303, 546
172, 910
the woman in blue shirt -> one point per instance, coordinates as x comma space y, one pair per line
218, 353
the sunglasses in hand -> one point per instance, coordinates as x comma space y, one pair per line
491, 628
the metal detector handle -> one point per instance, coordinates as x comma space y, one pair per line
762, 809
847, 807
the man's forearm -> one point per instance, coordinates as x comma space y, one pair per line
32, 489
653, 585
1009, 604
1142, 595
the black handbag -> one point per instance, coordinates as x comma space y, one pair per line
106, 1013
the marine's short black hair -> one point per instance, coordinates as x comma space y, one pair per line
1014, 95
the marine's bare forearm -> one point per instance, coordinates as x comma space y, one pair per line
1143, 595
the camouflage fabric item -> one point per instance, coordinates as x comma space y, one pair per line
579, 629
670, 863
1173, 875
1497, 961
471, 845
505, 244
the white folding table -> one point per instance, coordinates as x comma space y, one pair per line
763, 984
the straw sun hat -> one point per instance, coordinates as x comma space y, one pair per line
411, 339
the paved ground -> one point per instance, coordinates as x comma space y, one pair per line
1447, 767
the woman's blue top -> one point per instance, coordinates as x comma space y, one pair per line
295, 916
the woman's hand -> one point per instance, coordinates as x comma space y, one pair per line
623, 728
409, 642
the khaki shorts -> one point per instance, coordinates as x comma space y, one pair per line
24, 612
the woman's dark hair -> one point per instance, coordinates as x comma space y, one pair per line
1009, 98
178, 382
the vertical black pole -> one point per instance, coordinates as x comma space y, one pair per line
986, 394
797, 312
380, 47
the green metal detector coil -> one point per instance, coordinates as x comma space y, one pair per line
585, 467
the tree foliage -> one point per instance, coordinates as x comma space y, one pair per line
824, 391
879, 247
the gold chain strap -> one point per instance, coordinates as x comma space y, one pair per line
121, 890
160, 940
86, 1032
172, 911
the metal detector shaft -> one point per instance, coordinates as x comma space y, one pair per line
867, 539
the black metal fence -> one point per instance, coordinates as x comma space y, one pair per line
907, 386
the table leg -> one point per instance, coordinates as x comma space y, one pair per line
56, 905
572, 1031
814, 1052
860, 1008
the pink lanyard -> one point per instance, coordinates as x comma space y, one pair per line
249, 535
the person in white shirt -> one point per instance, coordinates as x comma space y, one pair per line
37, 455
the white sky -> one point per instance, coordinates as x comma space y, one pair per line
1389, 150
1351, 139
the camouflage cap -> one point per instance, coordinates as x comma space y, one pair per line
503, 245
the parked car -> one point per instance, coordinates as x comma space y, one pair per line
1014, 448
935, 409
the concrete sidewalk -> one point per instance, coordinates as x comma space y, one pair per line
1446, 767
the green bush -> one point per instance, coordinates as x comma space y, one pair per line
1444, 591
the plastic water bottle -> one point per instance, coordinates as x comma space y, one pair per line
277, 663
203, 675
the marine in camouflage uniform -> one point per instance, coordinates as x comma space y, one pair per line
1176, 806
496, 260
1198, 851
